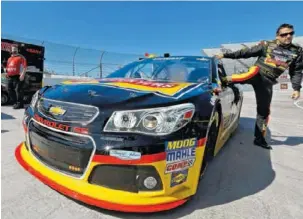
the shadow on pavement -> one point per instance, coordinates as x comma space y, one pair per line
5, 116
3, 131
239, 170
289, 140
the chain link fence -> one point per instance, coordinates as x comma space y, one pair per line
68, 60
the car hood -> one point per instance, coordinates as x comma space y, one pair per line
124, 93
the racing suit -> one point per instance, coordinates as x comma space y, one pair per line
15, 65
273, 60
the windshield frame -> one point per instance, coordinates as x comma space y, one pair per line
162, 64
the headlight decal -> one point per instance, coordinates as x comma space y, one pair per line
34, 100
155, 121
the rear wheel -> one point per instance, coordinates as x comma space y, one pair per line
210, 143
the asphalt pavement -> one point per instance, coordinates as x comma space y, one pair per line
243, 181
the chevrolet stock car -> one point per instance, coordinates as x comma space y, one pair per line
138, 140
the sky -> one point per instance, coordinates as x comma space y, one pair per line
180, 28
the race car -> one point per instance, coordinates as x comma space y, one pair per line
138, 140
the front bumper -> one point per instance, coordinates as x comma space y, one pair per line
80, 188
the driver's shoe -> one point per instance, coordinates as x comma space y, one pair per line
262, 143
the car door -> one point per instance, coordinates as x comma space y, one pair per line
227, 99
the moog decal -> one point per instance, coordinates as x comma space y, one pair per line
180, 155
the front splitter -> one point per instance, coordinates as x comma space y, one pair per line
93, 201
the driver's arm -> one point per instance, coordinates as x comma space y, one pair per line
296, 72
254, 51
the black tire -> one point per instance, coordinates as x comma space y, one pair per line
4, 98
211, 143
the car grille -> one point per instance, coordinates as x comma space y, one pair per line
73, 112
63, 152
128, 178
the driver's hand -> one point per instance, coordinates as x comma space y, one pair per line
295, 95
219, 56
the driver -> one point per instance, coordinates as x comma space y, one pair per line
274, 57
177, 72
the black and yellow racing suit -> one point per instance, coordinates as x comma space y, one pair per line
273, 60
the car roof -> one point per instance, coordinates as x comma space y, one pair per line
185, 57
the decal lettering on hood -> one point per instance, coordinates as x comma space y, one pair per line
165, 88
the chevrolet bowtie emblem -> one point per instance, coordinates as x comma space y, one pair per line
55, 110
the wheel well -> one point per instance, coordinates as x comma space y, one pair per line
219, 108
209, 151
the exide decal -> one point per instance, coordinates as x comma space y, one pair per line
60, 126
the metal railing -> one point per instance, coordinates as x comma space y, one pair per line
77, 61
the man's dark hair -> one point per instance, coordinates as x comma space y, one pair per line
284, 26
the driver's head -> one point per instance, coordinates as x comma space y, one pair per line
178, 72
285, 33
14, 49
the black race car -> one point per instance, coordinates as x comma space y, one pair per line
138, 140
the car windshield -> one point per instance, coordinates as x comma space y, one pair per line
172, 69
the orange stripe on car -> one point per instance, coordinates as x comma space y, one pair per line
143, 160
245, 76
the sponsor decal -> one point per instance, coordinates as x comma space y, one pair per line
181, 144
169, 58
35, 51
166, 88
178, 166
60, 126
143, 83
276, 63
180, 155
6, 46
125, 155
112, 139
178, 177
283, 86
